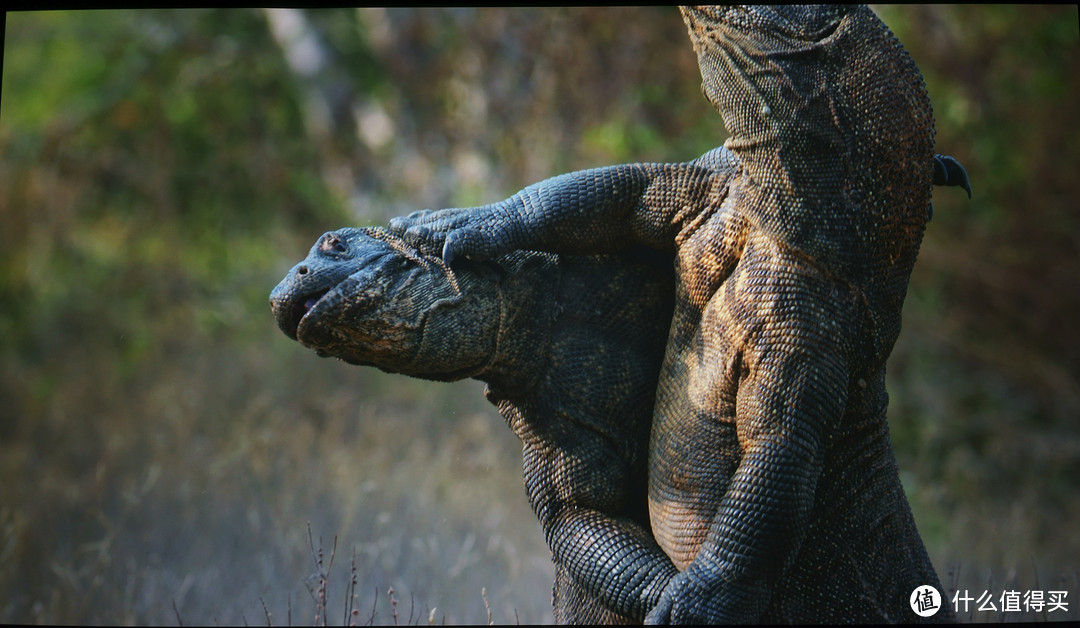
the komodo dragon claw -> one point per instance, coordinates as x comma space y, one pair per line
949, 171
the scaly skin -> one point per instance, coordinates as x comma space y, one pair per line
546, 332
772, 482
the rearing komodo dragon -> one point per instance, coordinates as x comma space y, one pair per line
772, 482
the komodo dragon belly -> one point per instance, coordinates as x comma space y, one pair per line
685, 488
687, 479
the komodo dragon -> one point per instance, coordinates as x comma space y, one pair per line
773, 485
546, 332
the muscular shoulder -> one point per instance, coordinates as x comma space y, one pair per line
719, 160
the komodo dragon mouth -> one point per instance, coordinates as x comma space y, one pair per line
299, 310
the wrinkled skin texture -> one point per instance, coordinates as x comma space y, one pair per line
546, 332
772, 482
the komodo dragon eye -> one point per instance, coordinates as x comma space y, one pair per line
332, 243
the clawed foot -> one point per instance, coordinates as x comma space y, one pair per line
949, 171
475, 233
661, 614
676, 603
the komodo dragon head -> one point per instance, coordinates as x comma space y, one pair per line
366, 297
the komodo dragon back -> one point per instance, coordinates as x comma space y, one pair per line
832, 121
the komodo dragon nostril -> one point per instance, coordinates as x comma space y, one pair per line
303, 270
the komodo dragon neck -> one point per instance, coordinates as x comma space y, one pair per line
526, 287
833, 126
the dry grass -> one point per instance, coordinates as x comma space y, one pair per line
193, 482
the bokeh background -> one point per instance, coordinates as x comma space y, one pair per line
164, 448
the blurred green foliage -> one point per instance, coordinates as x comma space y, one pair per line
144, 170
161, 441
